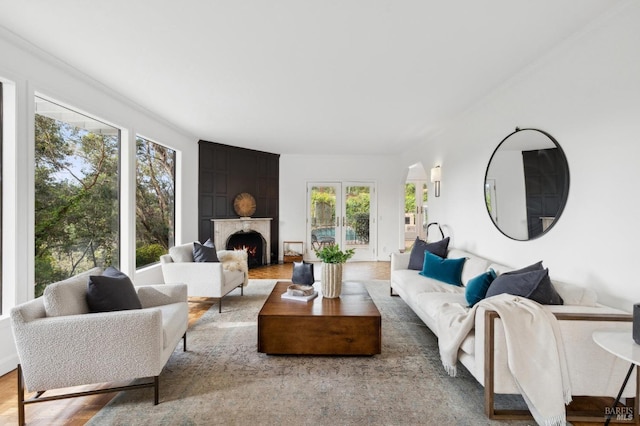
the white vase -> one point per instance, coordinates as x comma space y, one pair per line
331, 280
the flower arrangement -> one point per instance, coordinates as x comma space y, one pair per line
333, 254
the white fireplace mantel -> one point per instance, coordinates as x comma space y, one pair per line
224, 228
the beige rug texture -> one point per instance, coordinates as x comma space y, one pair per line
223, 380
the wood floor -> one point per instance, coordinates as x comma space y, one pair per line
77, 411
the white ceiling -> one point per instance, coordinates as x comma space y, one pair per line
298, 76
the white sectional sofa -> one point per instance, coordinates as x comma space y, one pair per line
593, 371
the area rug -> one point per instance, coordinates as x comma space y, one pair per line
223, 380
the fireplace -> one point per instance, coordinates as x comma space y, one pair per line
254, 234
252, 242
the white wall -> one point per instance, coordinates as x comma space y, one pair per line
297, 170
35, 72
586, 93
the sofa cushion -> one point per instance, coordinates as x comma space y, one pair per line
203, 253
476, 288
439, 248
182, 253
572, 294
68, 297
532, 284
430, 303
499, 269
445, 270
111, 291
412, 283
473, 266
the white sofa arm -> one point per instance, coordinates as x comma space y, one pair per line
162, 294
400, 261
88, 348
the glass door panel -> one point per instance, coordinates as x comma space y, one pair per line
358, 227
424, 217
415, 212
323, 221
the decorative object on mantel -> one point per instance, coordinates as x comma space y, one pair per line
332, 259
244, 204
300, 292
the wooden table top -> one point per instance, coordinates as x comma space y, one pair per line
353, 301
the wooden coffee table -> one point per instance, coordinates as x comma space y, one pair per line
348, 325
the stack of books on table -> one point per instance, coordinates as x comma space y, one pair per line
300, 292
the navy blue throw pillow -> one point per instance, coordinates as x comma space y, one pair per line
416, 260
204, 253
111, 291
533, 284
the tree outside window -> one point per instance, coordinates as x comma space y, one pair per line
155, 201
76, 194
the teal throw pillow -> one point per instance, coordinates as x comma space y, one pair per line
476, 288
445, 270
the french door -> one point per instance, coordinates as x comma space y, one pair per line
415, 212
342, 213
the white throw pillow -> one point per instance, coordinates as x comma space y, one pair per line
68, 297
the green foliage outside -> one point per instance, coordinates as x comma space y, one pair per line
410, 198
323, 206
149, 253
155, 189
76, 201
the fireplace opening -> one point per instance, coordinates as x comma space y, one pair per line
253, 242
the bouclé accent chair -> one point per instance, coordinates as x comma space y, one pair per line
206, 279
60, 344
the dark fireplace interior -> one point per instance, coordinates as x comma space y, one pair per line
253, 242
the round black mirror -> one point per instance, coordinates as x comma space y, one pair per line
526, 184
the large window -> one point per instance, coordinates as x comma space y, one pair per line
155, 195
76, 193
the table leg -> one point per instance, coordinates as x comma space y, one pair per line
615, 404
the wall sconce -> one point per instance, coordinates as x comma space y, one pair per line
436, 174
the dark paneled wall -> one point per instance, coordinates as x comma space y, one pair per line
226, 171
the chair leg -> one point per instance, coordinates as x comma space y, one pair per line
156, 390
242, 290
20, 397
220, 306
184, 342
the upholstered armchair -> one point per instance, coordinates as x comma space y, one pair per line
60, 343
206, 279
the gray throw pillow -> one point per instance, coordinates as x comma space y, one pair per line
532, 284
204, 254
111, 291
416, 259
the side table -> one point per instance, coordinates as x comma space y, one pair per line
620, 344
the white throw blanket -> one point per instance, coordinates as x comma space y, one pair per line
535, 352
